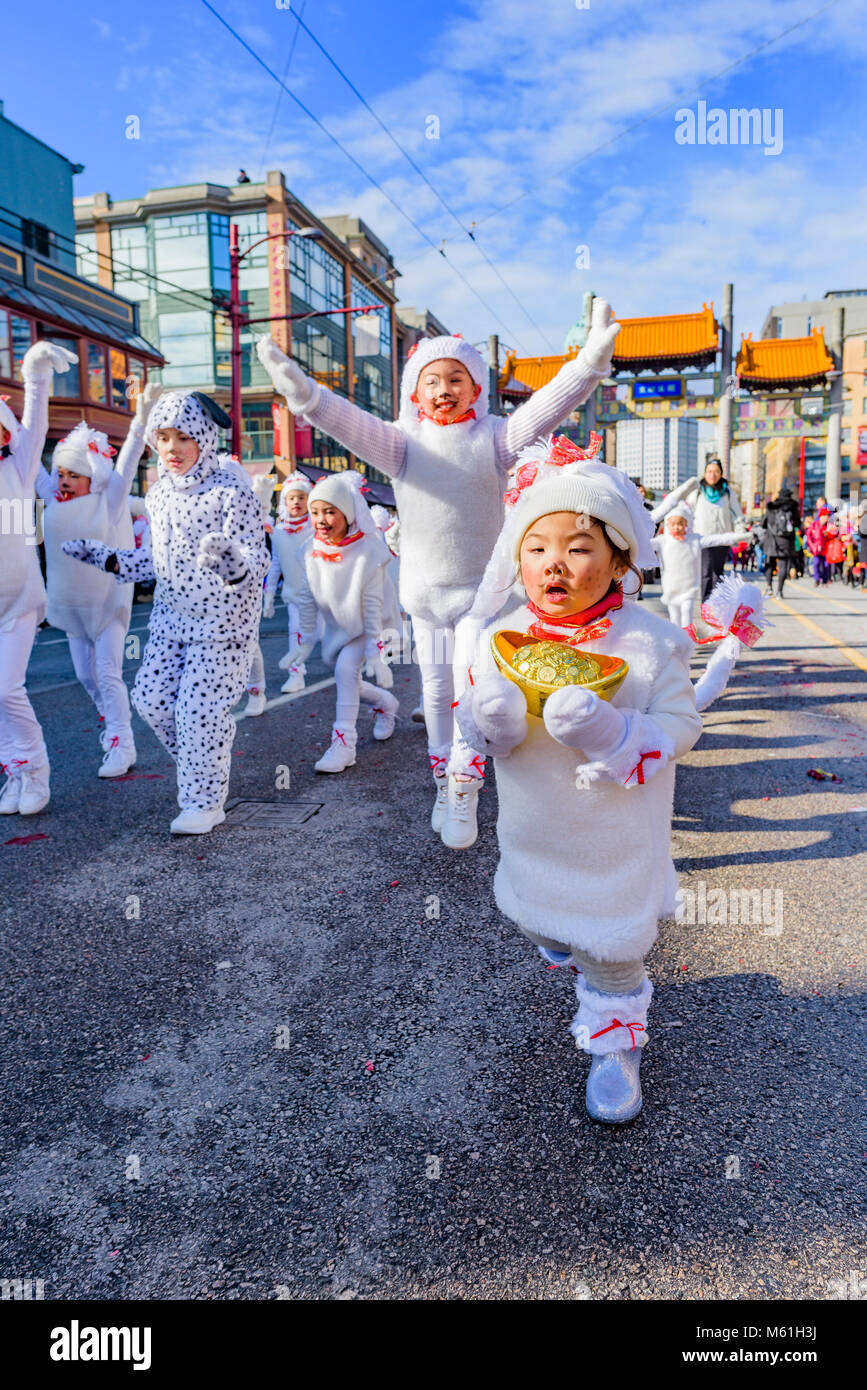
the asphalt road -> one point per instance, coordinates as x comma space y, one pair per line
259, 1065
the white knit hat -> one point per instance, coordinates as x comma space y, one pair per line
344, 491
428, 350
8, 421
296, 482
684, 510
85, 451
558, 476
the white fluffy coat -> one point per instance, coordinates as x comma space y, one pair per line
585, 859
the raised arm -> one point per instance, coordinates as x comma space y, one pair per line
669, 502
379, 442
132, 449
38, 366
574, 382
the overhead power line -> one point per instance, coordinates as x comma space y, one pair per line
467, 231
360, 167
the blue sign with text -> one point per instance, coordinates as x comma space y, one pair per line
656, 390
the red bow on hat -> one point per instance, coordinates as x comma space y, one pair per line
106, 453
563, 451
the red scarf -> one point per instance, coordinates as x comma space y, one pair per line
347, 540
293, 525
575, 628
467, 415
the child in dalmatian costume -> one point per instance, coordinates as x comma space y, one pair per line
86, 494
679, 549
585, 792
448, 459
209, 558
23, 754
291, 538
343, 583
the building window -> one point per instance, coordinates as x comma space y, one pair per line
847, 407
182, 252
39, 238
96, 389
85, 255
135, 379
117, 375
257, 432
20, 338
67, 385
186, 341
5, 346
129, 253
845, 436
372, 354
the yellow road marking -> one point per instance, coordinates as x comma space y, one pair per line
851, 655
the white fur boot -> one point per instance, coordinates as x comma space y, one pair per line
613, 1029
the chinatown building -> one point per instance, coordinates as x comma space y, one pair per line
784, 409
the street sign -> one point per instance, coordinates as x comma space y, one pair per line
657, 390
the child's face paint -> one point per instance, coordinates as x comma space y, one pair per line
676, 526
329, 522
177, 450
296, 504
567, 564
71, 484
445, 390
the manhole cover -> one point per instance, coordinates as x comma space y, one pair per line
266, 815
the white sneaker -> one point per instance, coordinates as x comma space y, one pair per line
293, 684
35, 794
417, 715
340, 755
193, 822
459, 828
119, 758
10, 797
441, 805
256, 702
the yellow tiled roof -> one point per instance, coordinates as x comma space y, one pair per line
667, 335
664, 337
784, 359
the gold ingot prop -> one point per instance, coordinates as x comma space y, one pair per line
539, 668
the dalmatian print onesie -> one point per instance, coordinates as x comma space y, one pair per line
209, 559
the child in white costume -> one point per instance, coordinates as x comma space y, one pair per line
448, 459
290, 539
263, 486
585, 792
679, 549
86, 495
23, 754
343, 584
209, 558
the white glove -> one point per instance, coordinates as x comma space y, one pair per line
91, 553
579, 719
146, 400
43, 359
499, 711
599, 346
286, 375
222, 555
267, 605
297, 654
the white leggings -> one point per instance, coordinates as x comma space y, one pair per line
21, 738
680, 609
256, 678
99, 667
351, 689
443, 680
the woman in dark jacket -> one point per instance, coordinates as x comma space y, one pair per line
779, 524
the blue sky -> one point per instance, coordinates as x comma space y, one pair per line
520, 90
